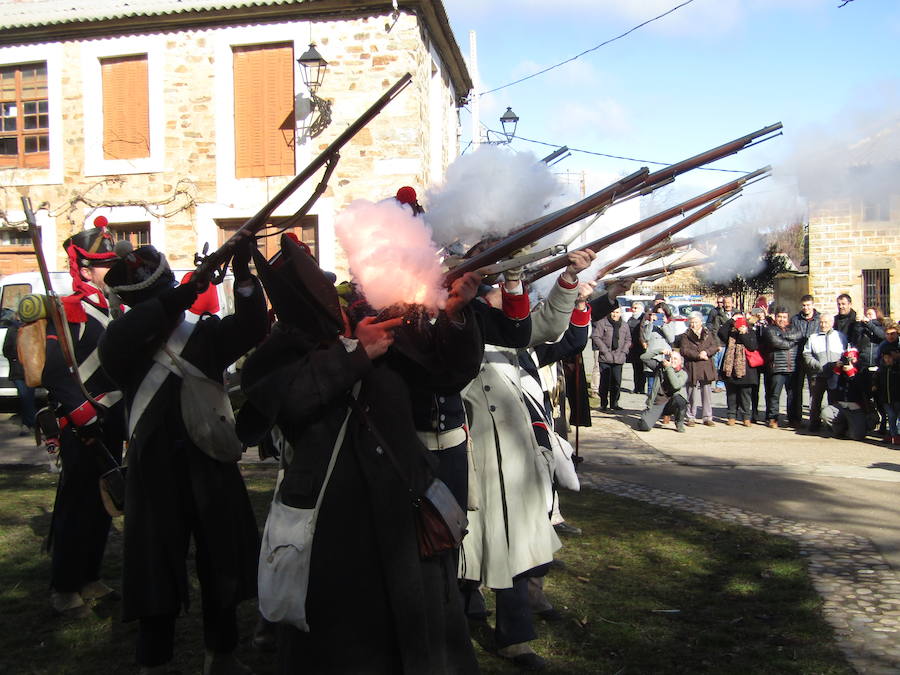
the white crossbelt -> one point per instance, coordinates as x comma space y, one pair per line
158, 373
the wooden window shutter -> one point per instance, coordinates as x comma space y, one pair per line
264, 110
126, 107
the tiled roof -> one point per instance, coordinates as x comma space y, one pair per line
21, 13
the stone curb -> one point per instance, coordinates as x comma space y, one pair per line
861, 592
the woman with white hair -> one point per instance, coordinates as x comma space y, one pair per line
698, 346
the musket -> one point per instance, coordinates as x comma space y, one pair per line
112, 477
713, 155
685, 222
655, 271
599, 244
545, 225
666, 247
213, 265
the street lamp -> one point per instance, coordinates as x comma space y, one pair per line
509, 120
314, 67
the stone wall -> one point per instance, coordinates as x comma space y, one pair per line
842, 244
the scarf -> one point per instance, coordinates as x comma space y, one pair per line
615, 336
735, 360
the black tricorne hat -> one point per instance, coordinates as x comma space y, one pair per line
301, 293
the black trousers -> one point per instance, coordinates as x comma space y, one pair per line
156, 635
775, 383
738, 398
80, 524
515, 620
610, 383
795, 394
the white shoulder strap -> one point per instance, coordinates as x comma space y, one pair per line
158, 372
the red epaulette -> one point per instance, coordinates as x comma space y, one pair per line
74, 311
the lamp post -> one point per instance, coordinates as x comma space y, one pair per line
312, 68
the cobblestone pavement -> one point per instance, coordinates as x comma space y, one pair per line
861, 592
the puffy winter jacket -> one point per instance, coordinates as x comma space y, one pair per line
822, 350
779, 346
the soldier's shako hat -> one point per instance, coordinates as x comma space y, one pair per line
138, 274
90, 248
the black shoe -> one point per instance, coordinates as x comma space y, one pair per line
616, 407
529, 662
551, 615
604, 408
565, 528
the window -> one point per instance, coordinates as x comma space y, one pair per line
24, 116
877, 289
307, 231
264, 110
137, 233
126, 110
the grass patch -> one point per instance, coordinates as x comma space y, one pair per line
743, 599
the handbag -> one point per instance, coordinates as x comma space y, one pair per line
284, 555
440, 520
754, 358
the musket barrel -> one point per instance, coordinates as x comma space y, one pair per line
715, 154
599, 244
258, 221
677, 227
545, 225
653, 271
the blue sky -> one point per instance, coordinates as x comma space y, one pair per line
709, 72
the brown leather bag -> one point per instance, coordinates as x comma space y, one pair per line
31, 346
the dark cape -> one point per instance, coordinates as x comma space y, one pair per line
173, 488
373, 605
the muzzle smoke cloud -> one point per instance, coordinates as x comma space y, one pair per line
391, 254
489, 191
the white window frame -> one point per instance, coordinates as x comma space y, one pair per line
154, 47
52, 55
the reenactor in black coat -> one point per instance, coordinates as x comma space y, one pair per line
80, 523
177, 488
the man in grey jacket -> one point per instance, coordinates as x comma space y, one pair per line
667, 394
822, 350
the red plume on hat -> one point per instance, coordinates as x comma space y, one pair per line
407, 195
740, 322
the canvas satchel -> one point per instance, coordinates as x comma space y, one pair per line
284, 556
206, 412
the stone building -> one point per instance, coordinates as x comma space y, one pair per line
179, 119
854, 232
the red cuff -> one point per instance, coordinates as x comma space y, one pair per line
515, 305
566, 284
581, 317
83, 414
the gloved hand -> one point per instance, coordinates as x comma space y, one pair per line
240, 263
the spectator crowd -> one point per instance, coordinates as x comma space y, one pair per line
846, 365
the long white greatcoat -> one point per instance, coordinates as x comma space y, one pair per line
511, 531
